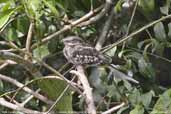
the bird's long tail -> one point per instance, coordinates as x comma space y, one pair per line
121, 75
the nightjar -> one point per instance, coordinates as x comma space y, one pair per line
78, 52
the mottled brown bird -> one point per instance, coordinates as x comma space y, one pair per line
78, 52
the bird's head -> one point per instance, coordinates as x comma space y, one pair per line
72, 40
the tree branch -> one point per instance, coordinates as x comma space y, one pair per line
134, 33
7, 104
26, 64
68, 27
105, 30
26, 89
87, 89
98, 16
29, 38
114, 108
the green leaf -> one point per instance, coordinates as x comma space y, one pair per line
113, 92
135, 97
163, 105
165, 9
142, 43
159, 48
53, 89
2, 1
118, 6
33, 8
137, 110
159, 31
12, 34
6, 6
1, 87
40, 52
127, 85
146, 98
111, 52
121, 110
51, 6
145, 68
22, 24
134, 55
147, 5
4, 17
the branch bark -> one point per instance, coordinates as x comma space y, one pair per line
26, 89
105, 49
105, 30
114, 108
68, 27
29, 38
7, 104
91, 109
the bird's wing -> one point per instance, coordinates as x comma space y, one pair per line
84, 54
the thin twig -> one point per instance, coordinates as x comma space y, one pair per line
94, 19
29, 38
132, 17
3, 28
134, 33
68, 27
130, 22
7, 104
114, 108
8, 92
152, 54
60, 75
28, 99
18, 84
105, 30
29, 66
14, 101
60, 96
6, 63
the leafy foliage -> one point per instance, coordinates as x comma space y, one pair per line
145, 53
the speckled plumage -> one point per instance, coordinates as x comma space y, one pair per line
78, 52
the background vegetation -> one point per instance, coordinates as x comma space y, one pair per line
34, 72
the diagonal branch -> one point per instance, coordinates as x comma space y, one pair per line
7, 104
114, 108
26, 89
68, 27
105, 49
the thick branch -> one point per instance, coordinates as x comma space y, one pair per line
87, 89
